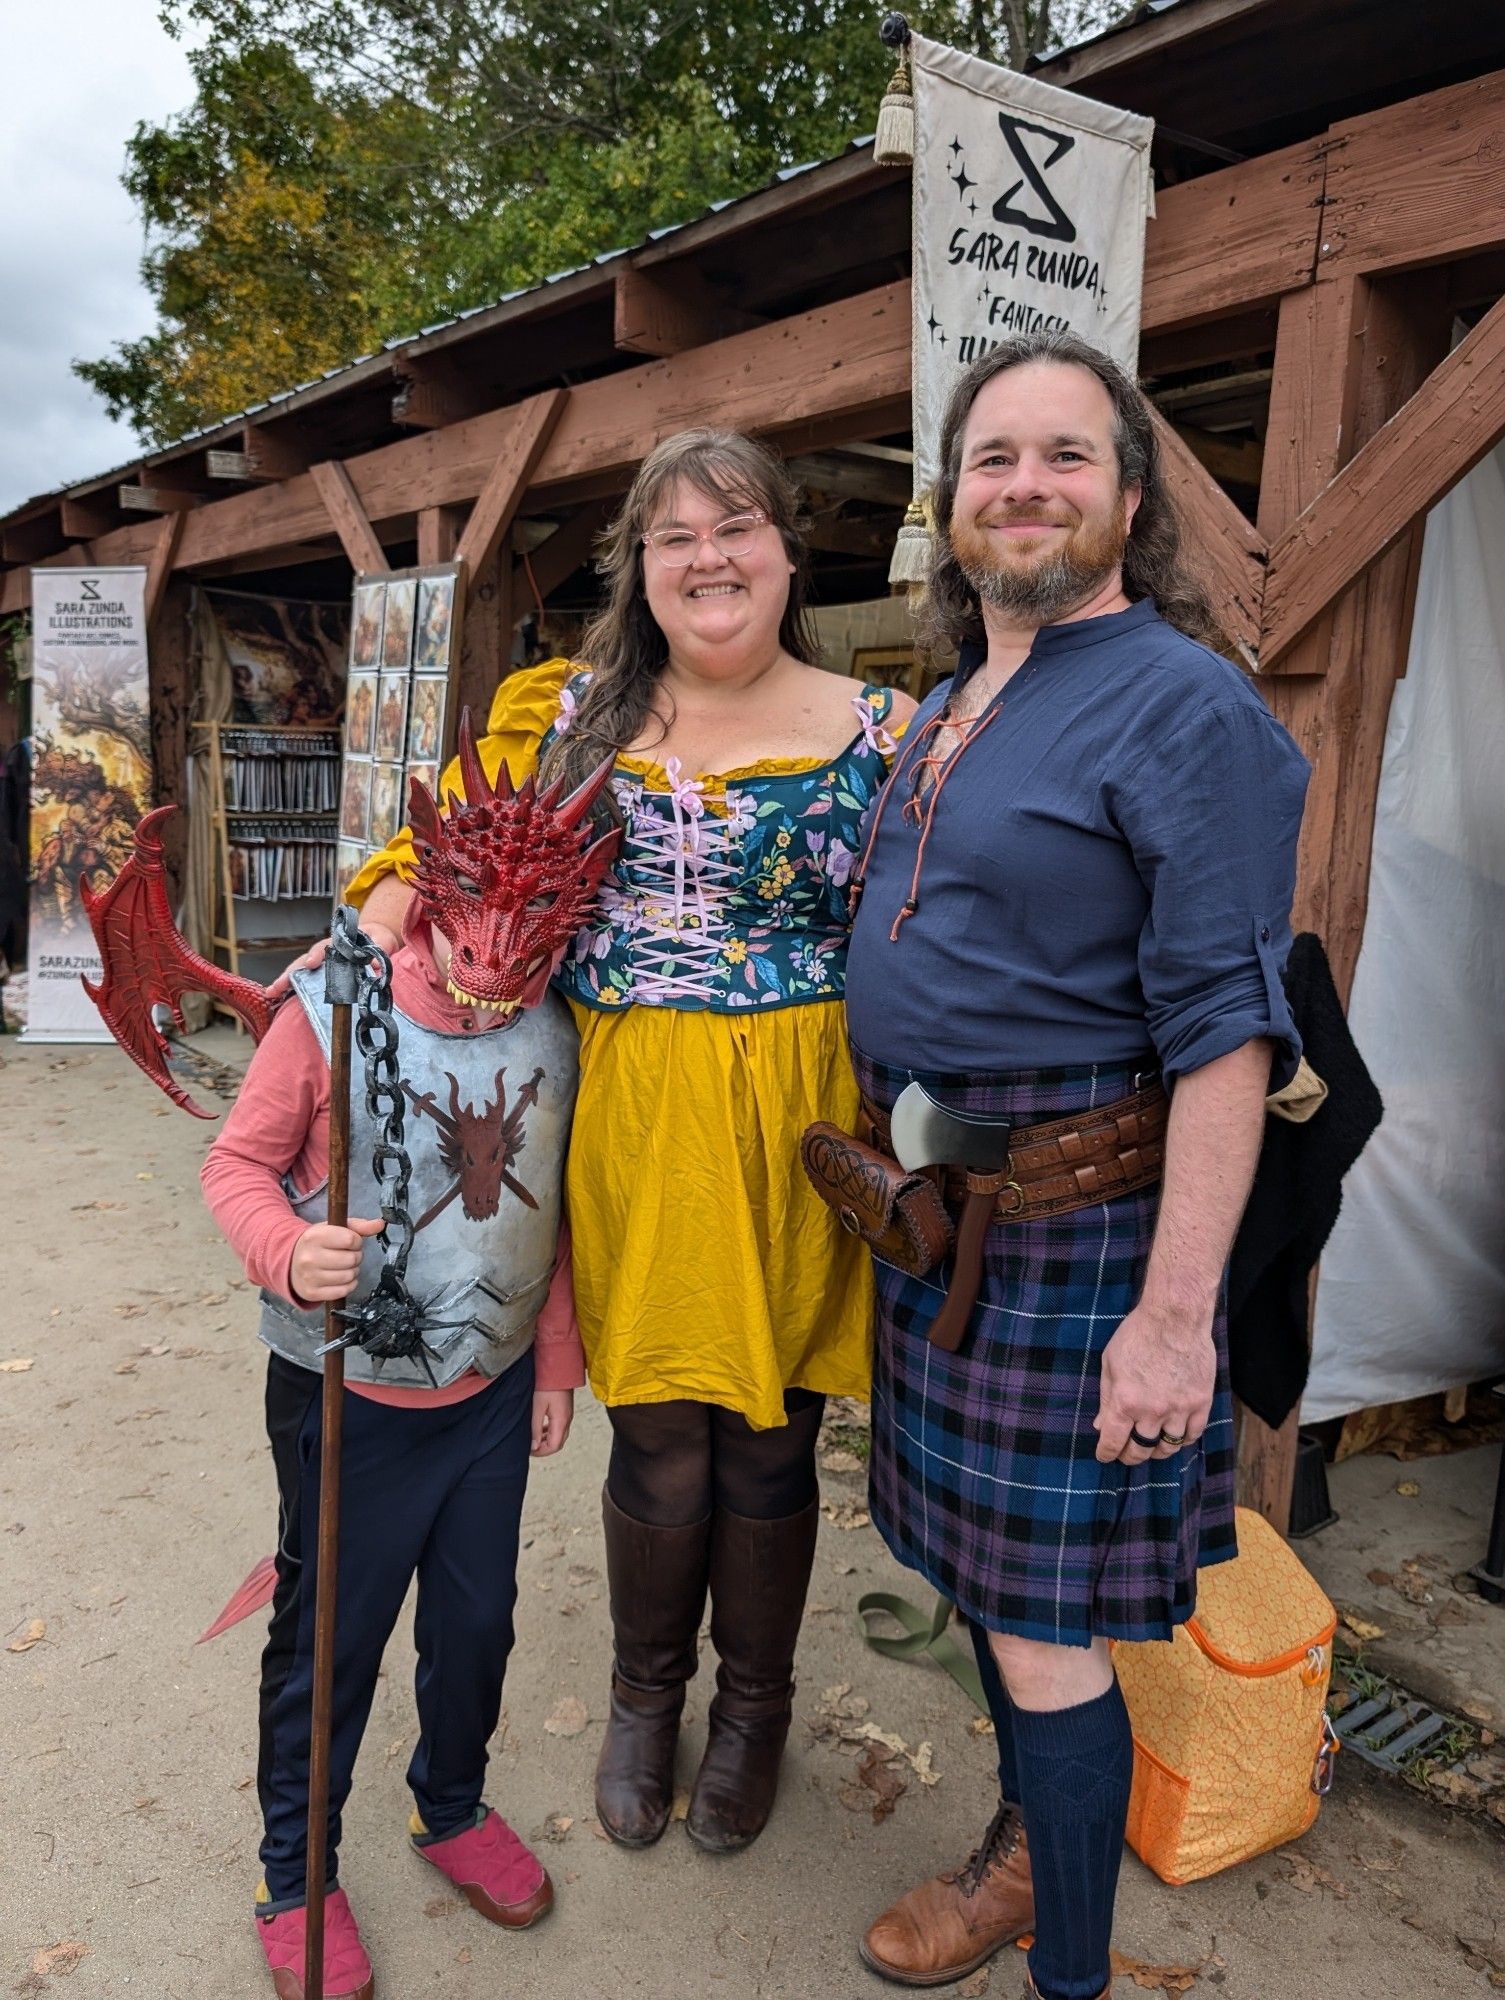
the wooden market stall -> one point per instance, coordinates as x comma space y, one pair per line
1331, 199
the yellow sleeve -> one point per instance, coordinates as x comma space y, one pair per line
523, 707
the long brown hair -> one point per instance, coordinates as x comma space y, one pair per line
623, 645
1153, 563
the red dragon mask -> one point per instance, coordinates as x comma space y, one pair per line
508, 875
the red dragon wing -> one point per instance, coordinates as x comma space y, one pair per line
148, 963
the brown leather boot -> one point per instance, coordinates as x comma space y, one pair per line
657, 1583
760, 1572
953, 1923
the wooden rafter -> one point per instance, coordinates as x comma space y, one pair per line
343, 505
535, 423
557, 559
1229, 551
1453, 420
159, 567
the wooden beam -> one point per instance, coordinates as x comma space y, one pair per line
1420, 182
506, 483
169, 534
666, 314
439, 530
553, 562
1455, 418
854, 478
1209, 344
84, 520
1228, 551
431, 394
1234, 240
276, 454
343, 506
821, 377
29, 541
170, 692
156, 499
1231, 461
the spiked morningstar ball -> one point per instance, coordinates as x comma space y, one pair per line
508, 874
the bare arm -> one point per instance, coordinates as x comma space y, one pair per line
386, 907
1158, 1368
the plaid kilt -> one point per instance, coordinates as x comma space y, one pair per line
983, 1475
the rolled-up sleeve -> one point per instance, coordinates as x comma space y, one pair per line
1212, 814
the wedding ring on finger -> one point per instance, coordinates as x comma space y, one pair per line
1144, 1443
1166, 1438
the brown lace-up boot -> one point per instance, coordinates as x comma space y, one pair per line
953, 1923
657, 1581
760, 1572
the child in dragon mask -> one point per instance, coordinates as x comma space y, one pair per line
436, 1442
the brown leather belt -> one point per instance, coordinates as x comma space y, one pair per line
1063, 1164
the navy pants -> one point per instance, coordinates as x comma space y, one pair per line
436, 1493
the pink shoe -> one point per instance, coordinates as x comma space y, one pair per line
501, 1877
347, 1970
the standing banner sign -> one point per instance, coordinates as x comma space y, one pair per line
91, 776
1029, 213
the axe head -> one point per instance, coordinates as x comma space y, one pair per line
926, 1134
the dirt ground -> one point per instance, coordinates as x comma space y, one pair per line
136, 1491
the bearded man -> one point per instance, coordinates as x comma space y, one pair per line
1075, 909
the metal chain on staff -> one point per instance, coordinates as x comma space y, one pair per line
376, 1040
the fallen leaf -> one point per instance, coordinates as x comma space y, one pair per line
920, 1763
840, 1461
568, 1718
1380, 1576
1407, 1488
1452, 1613
154, 1347
556, 1827
60, 1958
17, 1367
1361, 1628
133, 1311
1307, 1875
1456, 1787
981, 1725
978, 1983
882, 1780
462, 1956
443, 1906
1478, 1711
35, 1631
845, 1514
1155, 1978
125, 1367
80, 1206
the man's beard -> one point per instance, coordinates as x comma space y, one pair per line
1040, 591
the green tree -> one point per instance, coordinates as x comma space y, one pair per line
352, 169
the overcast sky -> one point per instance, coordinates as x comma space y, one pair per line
79, 76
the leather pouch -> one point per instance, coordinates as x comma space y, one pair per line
900, 1215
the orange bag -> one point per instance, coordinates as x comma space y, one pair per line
1232, 1745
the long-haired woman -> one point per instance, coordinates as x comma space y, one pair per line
719, 1302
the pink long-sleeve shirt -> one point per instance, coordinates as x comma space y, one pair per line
279, 1125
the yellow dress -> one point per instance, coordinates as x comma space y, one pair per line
711, 1035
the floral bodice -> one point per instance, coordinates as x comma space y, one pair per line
730, 890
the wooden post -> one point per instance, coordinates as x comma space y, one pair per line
485, 637
169, 647
1353, 355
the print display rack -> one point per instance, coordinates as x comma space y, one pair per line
399, 713
274, 796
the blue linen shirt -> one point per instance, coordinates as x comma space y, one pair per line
1109, 873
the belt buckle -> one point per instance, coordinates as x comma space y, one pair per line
1011, 1185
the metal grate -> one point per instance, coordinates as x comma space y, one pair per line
1390, 1731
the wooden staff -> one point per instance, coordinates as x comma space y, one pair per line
341, 981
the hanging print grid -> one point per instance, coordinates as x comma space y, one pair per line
404, 655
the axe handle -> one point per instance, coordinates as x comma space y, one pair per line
949, 1327
330, 1442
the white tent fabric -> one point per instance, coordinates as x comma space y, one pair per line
1411, 1292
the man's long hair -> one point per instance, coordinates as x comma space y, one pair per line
1153, 564
623, 645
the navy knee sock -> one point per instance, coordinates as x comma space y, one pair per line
1075, 1768
1001, 1710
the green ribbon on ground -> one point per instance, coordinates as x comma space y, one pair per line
922, 1635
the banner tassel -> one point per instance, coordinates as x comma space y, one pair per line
894, 144
911, 558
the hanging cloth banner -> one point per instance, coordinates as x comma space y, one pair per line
1029, 213
91, 777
